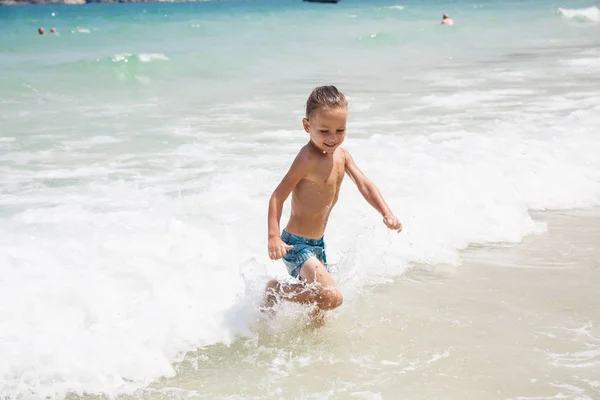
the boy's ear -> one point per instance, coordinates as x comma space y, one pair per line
306, 125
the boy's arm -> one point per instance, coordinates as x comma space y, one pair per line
370, 192
299, 169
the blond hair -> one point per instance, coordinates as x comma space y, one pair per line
325, 97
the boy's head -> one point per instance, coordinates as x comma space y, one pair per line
325, 121
325, 97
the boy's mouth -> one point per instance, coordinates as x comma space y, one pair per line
330, 145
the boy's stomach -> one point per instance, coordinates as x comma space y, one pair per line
309, 226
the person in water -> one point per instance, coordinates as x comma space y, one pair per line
314, 181
446, 20
41, 31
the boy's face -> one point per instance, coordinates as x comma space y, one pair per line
327, 128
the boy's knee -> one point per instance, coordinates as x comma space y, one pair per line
330, 299
339, 299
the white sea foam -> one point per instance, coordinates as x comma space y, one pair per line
147, 57
81, 30
465, 98
585, 65
585, 14
121, 57
370, 36
366, 395
142, 57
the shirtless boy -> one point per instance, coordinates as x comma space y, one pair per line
314, 180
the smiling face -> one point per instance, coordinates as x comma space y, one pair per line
327, 128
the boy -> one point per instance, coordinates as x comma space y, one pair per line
314, 180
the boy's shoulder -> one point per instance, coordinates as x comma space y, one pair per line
305, 154
305, 158
344, 153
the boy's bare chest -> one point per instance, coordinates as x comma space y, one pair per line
327, 176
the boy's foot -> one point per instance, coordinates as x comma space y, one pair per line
267, 312
316, 319
271, 299
268, 306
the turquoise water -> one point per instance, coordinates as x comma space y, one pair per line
139, 147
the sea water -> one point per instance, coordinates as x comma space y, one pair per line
140, 144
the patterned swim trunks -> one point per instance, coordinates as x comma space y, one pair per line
304, 249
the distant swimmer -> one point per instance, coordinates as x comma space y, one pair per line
52, 30
41, 31
446, 20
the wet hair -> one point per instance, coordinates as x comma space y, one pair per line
325, 97
445, 16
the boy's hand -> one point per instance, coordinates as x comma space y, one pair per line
392, 222
277, 248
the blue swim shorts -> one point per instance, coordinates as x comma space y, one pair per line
304, 249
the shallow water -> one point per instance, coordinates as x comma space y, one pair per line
139, 146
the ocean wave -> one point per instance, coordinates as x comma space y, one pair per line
123, 67
141, 57
81, 30
585, 14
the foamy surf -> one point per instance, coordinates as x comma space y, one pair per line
585, 14
133, 285
142, 57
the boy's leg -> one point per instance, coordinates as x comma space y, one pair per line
325, 295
